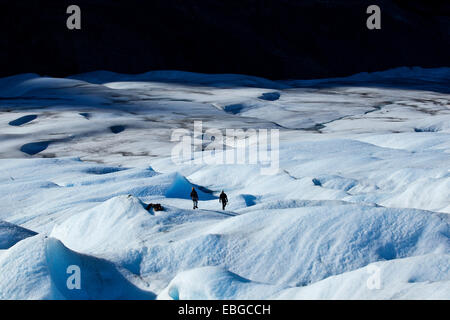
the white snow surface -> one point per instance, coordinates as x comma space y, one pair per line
362, 192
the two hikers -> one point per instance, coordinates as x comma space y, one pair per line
222, 198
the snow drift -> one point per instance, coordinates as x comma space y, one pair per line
36, 268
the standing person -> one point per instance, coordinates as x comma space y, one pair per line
194, 197
224, 199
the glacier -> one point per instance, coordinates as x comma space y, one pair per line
362, 190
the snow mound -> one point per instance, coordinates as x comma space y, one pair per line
181, 188
213, 283
28, 85
53, 89
174, 76
37, 268
10, 234
100, 279
409, 278
406, 75
421, 277
107, 227
335, 182
10, 86
25, 272
299, 246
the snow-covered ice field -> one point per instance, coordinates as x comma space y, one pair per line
359, 208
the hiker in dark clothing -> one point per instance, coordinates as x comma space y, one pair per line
224, 199
194, 197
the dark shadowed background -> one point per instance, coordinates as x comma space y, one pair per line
275, 39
